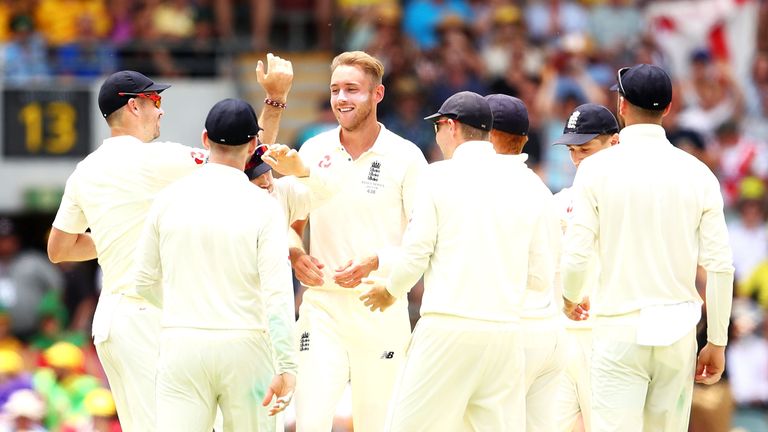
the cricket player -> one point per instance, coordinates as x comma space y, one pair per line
652, 212
541, 328
478, 254
354, 233
219, 326
589, 129
110, 193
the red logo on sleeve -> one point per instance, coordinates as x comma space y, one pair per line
198, 157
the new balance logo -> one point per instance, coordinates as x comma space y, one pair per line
304, 342
387, 355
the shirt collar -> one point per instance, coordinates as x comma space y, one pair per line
379, 146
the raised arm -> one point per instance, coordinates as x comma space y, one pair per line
276, 80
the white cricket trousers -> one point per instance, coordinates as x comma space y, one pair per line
200, 369
339, 340
129, 358
574, 393
638, 388
544, 343
461, 375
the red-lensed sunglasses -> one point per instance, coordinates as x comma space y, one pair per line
154, 97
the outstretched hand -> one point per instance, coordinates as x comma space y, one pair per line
285, 160
351, 274
281, 389
377, 296
277, 78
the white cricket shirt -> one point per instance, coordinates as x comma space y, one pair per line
369, 213
111, 191
294, 198
656, 212
214, 253
478, 249
564, 202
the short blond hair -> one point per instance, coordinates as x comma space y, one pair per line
366, 62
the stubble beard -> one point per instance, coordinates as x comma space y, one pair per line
364, 115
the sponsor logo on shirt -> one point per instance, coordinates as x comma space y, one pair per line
325, 162
304, 342
372, 182
387, 355
198, 157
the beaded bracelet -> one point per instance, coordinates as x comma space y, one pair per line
275, 103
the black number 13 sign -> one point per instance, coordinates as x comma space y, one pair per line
46, 123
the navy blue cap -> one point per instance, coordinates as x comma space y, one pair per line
646, 86
509, 114
466, 107
232, 122
126, 81
586, 123
256, 166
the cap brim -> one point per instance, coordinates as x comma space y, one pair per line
258, 170
574, 139
614, 87
157, 87
433, 116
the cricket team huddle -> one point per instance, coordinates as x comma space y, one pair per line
540, 312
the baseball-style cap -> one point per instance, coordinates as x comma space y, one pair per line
586, 123
232, 122
509, 114
468, 108
126, 81
644, 85
256, 166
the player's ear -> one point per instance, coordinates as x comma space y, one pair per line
614, 139
378, 93
205, 140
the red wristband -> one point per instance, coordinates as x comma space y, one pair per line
275, 103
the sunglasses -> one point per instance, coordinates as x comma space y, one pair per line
261, 149
436, 123
618, 78
154, 97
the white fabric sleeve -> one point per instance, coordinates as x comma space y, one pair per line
70, 217
580, 238
418, 244
544, 250
148, 266
719, 298
276, 284
410, 184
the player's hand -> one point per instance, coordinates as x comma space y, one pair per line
351, 274
281, 389
710, 364
285, 160
308, 270
276, 79
376, 296
576, 311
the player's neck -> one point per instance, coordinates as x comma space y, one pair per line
119, 130
360, 140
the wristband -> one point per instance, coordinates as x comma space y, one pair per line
275, 103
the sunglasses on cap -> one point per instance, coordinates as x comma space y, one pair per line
621, 72
154, 97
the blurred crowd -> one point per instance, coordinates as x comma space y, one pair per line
553, 54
